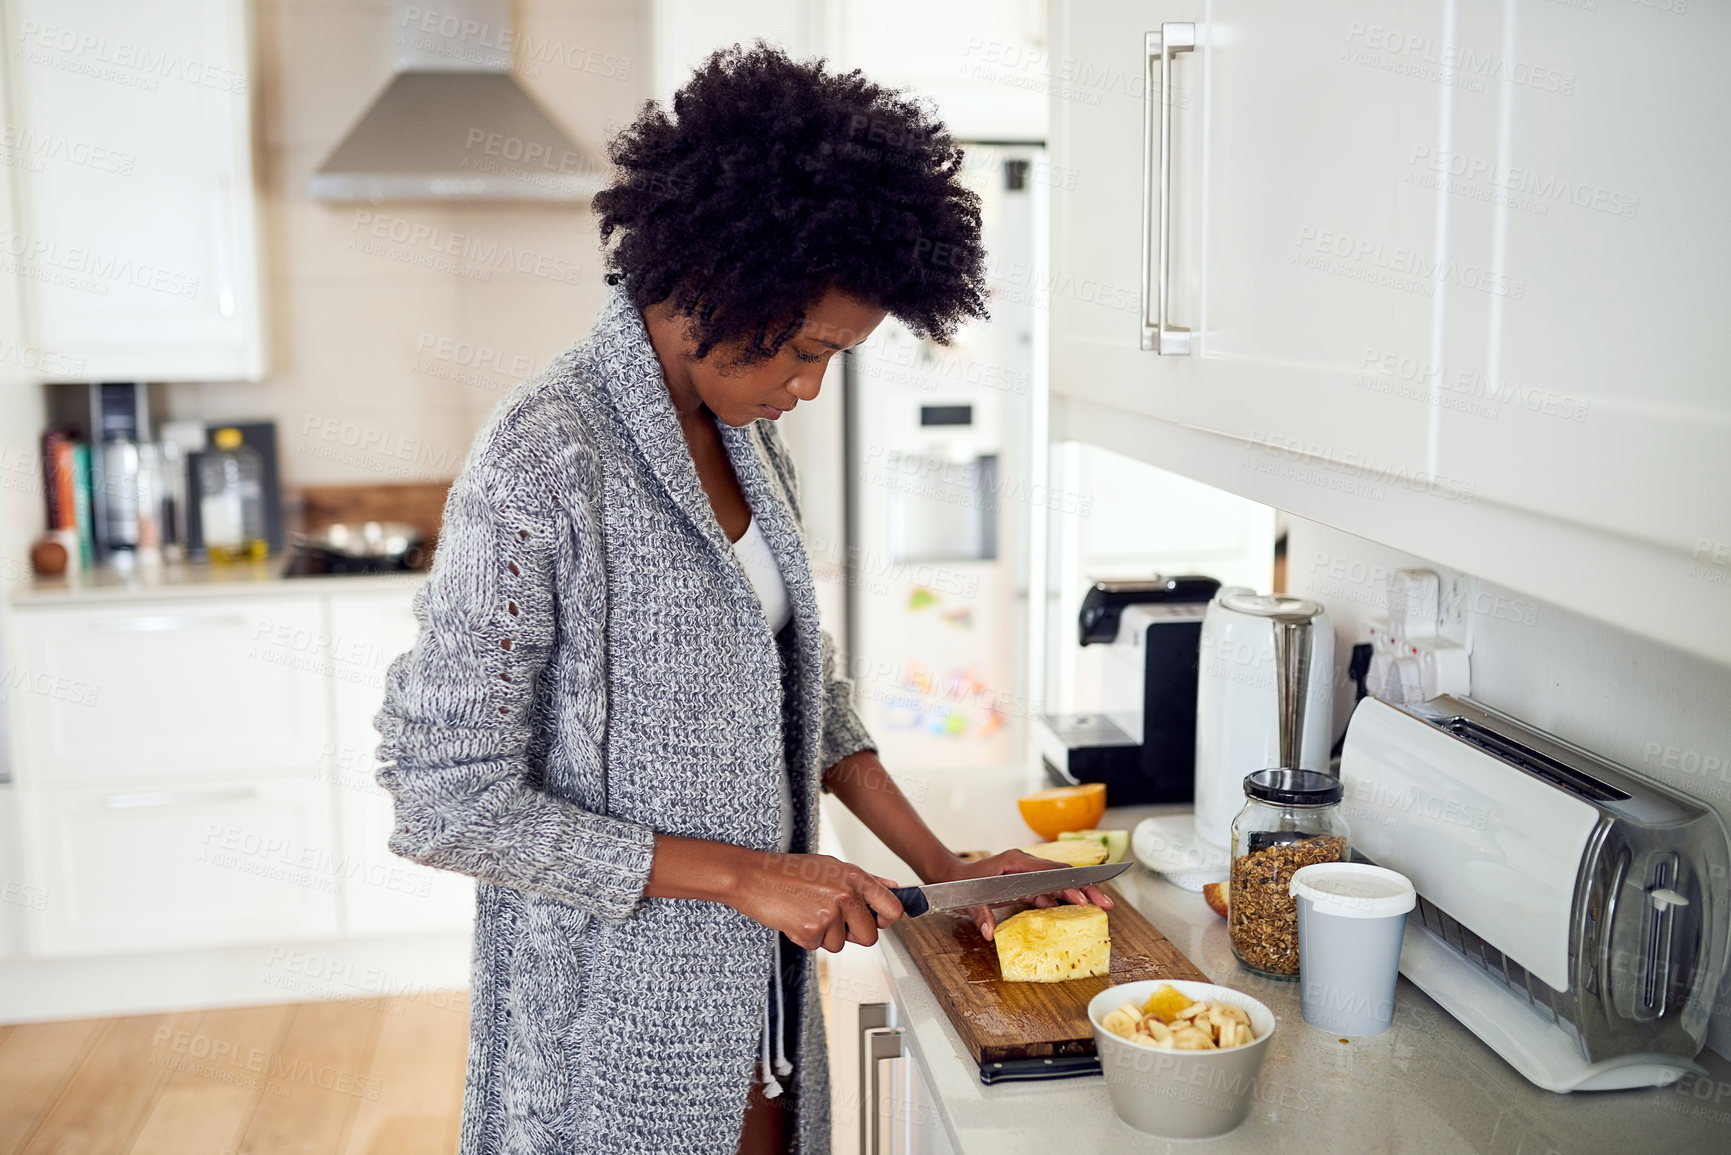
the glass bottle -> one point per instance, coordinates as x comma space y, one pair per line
119, 496
149, 503
231, 499
1291, 819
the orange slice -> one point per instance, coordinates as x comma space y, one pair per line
1050, 813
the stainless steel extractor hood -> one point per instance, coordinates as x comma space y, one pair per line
453, 123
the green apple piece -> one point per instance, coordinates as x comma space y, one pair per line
1116, 842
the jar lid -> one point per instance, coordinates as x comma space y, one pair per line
1353, 889
1294, 787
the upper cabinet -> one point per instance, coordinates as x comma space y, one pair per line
1444, 275
129, 147
1276, 160
1592, 386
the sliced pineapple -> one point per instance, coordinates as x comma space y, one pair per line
1075, 853
1054, 944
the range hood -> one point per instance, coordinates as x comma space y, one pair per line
453, 123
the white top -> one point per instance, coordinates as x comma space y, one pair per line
758, 561
764, 574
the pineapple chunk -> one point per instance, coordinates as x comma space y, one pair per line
1166, 1003
1052, 944
1075, 853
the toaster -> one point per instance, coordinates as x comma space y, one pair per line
1572, 913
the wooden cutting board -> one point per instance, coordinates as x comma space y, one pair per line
1002, 1022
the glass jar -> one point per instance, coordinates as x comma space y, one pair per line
1291, 819
231, 501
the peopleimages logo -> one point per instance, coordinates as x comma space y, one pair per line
1396, 266
1359, 466
1460, 387
1456, 65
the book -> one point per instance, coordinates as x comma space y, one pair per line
66, 481
51, 515
81, 504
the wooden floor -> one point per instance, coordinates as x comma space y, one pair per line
369, 1077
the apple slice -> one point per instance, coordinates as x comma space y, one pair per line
1116, 842
1215, 894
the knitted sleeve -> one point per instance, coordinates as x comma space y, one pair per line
460, 709
843, 732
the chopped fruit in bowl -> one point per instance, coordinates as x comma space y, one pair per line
1050, 813
1069, 853
1172, 1021
1216, 895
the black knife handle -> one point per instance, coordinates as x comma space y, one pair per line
913, 900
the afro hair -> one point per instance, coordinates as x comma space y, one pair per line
774, 181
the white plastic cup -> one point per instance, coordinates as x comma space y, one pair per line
1351, 917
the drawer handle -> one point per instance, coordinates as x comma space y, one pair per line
178, 797
878, 1040
167, 622
1157, 335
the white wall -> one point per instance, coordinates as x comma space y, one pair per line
1651, 708
1121, 518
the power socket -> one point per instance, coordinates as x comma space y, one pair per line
1454, 605
1416, 656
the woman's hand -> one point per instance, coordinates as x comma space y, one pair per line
815, 900
1016, 862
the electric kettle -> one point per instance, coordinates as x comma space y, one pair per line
1264, 697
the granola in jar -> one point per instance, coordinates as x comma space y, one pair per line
1291, 819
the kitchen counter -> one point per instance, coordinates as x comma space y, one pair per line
1425, 1085
193, 580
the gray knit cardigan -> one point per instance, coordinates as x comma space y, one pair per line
593, 666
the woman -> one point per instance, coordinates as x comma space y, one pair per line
620, 708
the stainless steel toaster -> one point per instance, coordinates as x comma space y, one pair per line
1572, 913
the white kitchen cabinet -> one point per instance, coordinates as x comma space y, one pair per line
130, 150
164, 690
1575, 167
368, 631
1097, 142
1291, 236
158, 865
1450, 277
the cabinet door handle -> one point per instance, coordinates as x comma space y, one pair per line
880, 1043
167, 622
1158, 333
177, 797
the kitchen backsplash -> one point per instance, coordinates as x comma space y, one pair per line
1652, 708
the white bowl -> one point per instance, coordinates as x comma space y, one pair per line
1180, 1094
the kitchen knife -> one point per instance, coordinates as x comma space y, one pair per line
916, 900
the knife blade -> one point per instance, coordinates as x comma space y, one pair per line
917, 900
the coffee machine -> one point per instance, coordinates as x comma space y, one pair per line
1142, 742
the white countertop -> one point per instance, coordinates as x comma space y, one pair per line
1426, 1085
104, 584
